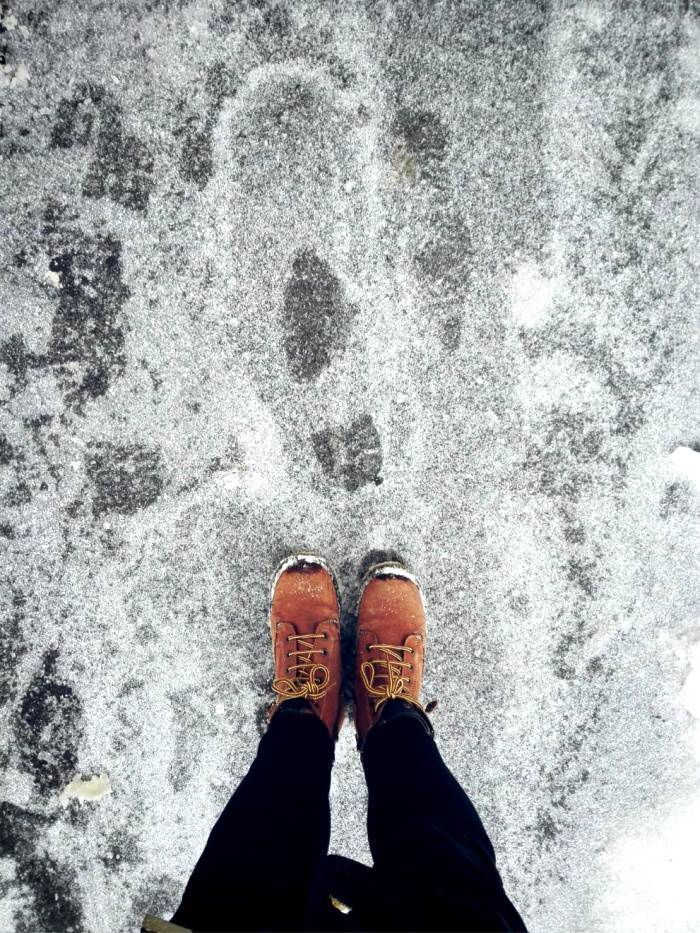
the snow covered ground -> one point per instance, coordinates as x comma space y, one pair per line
416, 278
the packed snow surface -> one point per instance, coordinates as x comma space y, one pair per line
379, 280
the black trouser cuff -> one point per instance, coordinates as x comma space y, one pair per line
394, 710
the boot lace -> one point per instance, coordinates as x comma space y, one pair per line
306, 682
384, 678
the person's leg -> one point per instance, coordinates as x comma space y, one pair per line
257, 868
435, 864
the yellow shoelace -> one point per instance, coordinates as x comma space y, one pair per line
384, 678
305, 683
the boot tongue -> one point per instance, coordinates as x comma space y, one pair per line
309, 659
390, 669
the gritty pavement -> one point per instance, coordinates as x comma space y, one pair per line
408, 279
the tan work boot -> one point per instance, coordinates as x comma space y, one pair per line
390, 646
305, 626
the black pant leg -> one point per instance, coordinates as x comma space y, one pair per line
434, 862
261, 857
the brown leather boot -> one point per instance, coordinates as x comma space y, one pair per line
390, 647
305, 626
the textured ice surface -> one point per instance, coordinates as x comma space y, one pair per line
365, 278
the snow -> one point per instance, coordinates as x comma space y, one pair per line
14, 76
686, 463
53, 278
654, 870
376, 279
94, 788
533, 295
